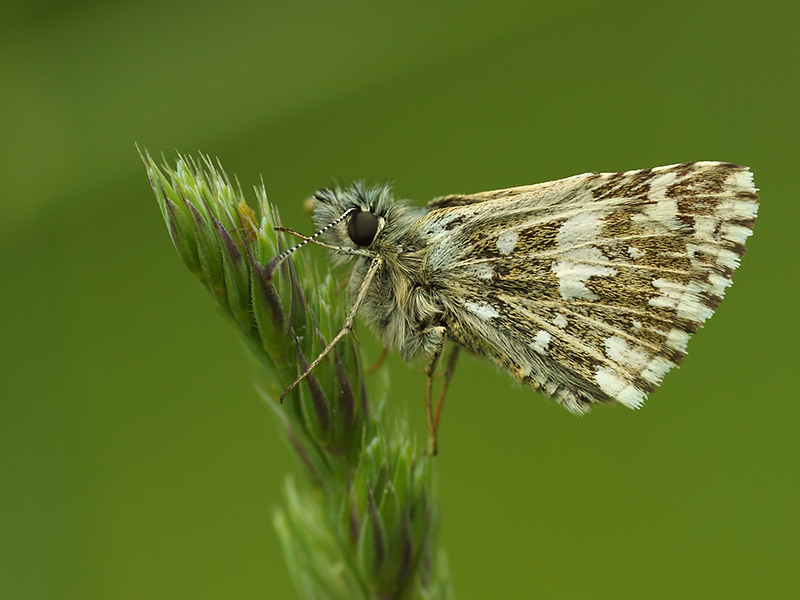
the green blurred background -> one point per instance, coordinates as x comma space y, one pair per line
136, 460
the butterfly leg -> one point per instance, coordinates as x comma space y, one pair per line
378, 362
435, 338
348, 324
449, 370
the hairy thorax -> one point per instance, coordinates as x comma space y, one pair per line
403, 302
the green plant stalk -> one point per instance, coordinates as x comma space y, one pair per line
362, 523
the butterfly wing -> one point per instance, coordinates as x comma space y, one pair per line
589, 287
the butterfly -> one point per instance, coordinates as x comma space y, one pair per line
587, 289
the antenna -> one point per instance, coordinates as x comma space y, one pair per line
272, 265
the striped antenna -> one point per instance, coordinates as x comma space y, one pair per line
272, 265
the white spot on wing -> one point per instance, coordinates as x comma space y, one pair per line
677, 338
635, 252
742, 180
506, 241
656, 369
618, 350
671, 293
619, 389
560, 321
717, 284
665, 211
438, 225
737, 233
574, 270
631, 396
704, 227
482, 310
579, 261
736, 208
541, 341
691, 305
615, 386
581, 228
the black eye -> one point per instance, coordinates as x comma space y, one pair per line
362, 228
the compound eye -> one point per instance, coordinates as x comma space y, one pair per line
362, 228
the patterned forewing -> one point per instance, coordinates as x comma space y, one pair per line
588, 288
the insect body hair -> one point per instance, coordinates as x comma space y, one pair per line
397, 300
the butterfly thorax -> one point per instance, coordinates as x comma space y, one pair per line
404, 299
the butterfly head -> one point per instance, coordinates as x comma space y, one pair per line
355, 215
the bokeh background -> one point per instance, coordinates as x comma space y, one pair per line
136, 460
